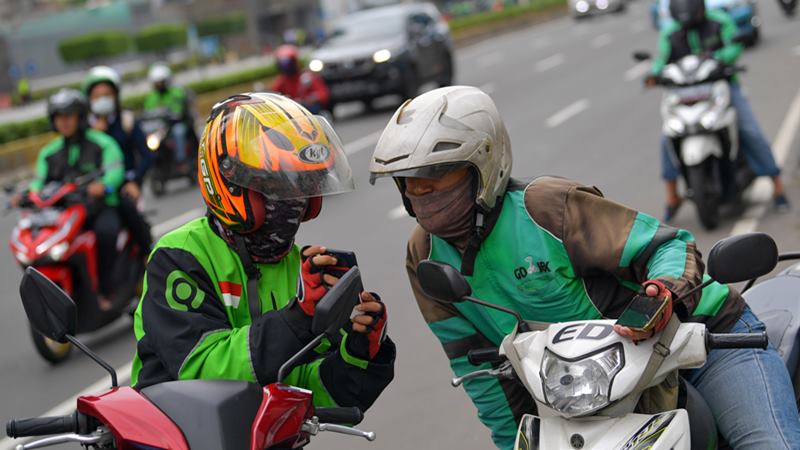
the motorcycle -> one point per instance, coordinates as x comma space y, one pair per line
158, 126
51, 236
179, 415
700, 123
587, 380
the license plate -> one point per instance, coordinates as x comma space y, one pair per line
694, 94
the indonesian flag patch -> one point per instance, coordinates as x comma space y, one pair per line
231, 293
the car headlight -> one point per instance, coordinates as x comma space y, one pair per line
582, 6
649, 433
381, 56
576, 388
709, 120
676, 125
316, 65
153, 142
57, 251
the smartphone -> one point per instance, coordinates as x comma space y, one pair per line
335, 309
345, 260
642, 313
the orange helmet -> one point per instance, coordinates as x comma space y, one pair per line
261, 145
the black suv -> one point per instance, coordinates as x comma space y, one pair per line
387, 50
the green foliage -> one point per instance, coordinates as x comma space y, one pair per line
510, 12
231, 24
93, 46
160, 38
18, 130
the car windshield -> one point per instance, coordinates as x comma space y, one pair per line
367, 27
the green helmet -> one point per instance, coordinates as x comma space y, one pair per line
101, 74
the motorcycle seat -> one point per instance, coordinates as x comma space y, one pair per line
702, 428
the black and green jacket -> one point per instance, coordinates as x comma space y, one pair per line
62, 161
193, 322
714, 37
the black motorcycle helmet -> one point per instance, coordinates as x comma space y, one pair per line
688, 13
67, 101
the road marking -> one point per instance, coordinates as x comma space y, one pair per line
638, 71
397, 213
550, 62
490, 59
364, 143
760, 192
567, 113
638, 26
488, 88
602, 40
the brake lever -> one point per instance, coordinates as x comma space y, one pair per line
503, 372
313, 427
94, 438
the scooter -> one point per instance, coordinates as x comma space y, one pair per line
700, 123
587, 380
50, 236
179, 415
158, 126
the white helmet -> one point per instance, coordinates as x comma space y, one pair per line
443, 128
159, 73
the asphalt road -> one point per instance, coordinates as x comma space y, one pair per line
574, 106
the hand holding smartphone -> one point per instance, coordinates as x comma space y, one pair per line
643, 312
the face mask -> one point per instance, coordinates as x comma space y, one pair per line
103, 106
448, 213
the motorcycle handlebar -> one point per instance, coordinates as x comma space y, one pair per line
479, 356
737, 340
41, 426
340, 416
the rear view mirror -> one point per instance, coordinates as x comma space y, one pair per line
333, 310
442, 282
49, 309
641, 55
740, 258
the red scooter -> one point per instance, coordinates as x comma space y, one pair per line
51, 237
183, 415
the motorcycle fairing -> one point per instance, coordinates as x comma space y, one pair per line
697, 148
283, 411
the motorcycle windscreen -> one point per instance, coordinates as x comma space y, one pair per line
300, 158
528, 433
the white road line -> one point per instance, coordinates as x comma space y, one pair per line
638, 71
638, 26
567, 113
488, 88
124, 372
550, 62
602, 40
760, 192
397, 213
490, 59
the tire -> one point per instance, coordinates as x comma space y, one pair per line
157, 185
704, 194
50, 350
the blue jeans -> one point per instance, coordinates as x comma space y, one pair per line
756, 148
750, 394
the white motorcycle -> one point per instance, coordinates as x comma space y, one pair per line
700, 123
587, 380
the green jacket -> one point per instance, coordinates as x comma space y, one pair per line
558, 252
174, 99
193, 322
60, 162
714, 37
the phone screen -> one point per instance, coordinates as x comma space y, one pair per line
641, 312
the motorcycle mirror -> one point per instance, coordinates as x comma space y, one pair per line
640, 55
49, 309
740, 258
442, 282
334, 309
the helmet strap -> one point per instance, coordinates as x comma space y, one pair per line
484, 224
253, 275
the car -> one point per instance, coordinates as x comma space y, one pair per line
585, 8
743, 12
385, 50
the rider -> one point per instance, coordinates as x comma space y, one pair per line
176, 100
711, 33
301, 85
102, 88
554, 251
230, 295
80, 150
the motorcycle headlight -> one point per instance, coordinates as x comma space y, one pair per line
709, 120
153, 142
721, 94
576, 388
57, 251
676, 125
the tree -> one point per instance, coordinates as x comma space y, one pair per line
230, 24
160, 38
94, 46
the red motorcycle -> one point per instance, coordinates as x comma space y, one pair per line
179, 415
51, 236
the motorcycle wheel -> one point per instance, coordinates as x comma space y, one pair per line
52, 351
158, 186
705, 197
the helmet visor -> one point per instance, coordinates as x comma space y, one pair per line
433, 172
300, 158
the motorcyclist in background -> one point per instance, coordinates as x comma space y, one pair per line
177, 101
300, 85
710, 33
555, 251
80, 150
102, 88
230, 295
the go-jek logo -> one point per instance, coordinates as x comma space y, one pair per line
532, 267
